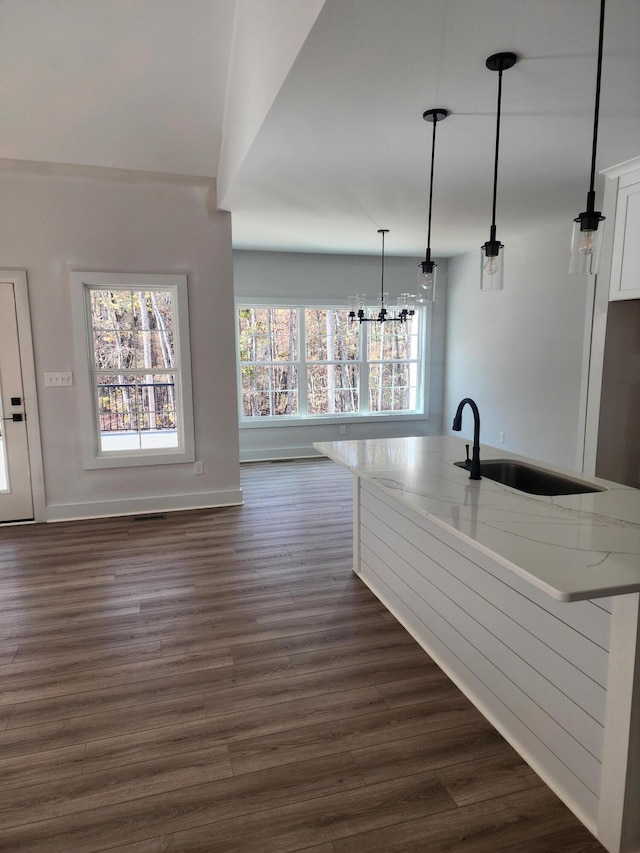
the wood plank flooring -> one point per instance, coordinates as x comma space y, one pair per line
220, 682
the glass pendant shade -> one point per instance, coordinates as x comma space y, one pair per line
492, 267
585, 249
427, 282
406, 302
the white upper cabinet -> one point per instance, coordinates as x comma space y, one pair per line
625, 260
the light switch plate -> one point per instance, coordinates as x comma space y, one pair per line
58, 380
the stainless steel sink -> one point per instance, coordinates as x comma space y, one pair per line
528, 478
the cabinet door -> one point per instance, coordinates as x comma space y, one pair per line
625, 263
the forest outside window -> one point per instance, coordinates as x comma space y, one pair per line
138, 382
312, 362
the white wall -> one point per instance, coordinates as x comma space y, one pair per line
310, 277
53, 219
267, 37
519, 352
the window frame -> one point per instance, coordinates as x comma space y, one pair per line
303, 418
82, 282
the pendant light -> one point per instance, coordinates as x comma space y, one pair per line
427, 275
587, 238
406, 301
492, 257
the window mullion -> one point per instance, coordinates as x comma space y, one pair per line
424, 333
364, 369
303, 397
271, 391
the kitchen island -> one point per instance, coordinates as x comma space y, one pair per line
529, 603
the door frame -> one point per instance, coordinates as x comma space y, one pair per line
23, 317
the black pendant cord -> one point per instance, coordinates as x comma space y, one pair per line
495, 168
433, 156
592, 194
382, 231
498, 62
434, 115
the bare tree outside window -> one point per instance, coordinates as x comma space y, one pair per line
134, 367
333, 362
268, 345
280, 346
393, 352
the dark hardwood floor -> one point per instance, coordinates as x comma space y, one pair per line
219, 681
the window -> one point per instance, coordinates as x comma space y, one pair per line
268, 354
393, 366
137, 385
308, 362
332, 346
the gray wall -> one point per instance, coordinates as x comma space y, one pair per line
318, 278
520, 352
54, 219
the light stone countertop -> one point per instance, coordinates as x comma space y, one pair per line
571, 546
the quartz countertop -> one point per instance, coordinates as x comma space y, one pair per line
571, 546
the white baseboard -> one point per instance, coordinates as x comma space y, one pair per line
270, 454
142, 505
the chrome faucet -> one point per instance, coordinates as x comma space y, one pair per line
457, 426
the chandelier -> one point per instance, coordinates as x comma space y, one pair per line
405, 306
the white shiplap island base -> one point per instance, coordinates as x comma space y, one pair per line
529, 603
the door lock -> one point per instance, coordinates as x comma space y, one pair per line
17, 416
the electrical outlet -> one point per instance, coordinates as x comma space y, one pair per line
58, 380
198, 467
343, 429
501, 437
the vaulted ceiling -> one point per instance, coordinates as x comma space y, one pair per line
309, 112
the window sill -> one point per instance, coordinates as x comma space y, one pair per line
137, 459
328, 420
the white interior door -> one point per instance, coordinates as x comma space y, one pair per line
16, 499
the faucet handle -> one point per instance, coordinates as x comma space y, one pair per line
468, 460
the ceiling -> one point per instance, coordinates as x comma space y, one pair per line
327, 130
